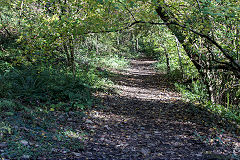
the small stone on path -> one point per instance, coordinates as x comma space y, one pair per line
24, 142
89, 121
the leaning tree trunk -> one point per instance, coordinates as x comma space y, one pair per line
182, 38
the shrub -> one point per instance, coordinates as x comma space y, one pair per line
37, 86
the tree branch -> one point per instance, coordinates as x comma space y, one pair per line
213, 42
232, 60
128, 11
128, 26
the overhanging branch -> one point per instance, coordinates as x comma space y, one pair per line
182, 26
213, 42
128, 26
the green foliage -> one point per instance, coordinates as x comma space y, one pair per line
9, 106
5, 130
37, 86
197, 93
176, 74
148, 50
230, 113
54, 54
111, 61
194, 91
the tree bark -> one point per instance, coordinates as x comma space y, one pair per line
137, 45
180, 58
187, 44
96, 45
167, 59
72, 54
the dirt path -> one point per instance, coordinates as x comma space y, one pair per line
146, 119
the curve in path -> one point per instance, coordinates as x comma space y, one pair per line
146, 119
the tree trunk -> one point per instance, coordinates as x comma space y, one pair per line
137, 45
65, 47
69, 51
118, 39
180, 58
72, 54
187, 44
96, 45
167, 60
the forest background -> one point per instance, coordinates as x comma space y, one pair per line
55, 54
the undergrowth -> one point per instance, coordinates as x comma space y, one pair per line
196, 93
39, 87
37, 101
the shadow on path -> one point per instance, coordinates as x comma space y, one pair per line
146, 119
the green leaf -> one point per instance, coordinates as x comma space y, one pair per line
100, 1
131, 4
9, 113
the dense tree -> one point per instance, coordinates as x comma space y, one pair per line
55, 54
207, 30
212, 53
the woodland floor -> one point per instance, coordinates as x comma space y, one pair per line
146, 119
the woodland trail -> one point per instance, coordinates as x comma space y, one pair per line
146, 119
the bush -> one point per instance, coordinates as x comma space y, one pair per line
8, 105
196, 92
39, 86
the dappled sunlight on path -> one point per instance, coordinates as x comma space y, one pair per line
146, 119
146, 94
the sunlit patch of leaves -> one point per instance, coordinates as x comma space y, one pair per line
38, 135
